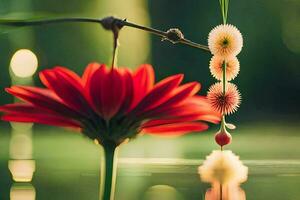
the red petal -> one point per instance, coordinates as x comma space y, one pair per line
107, 90
68, 87
42, 98
128, 87
113, 91
196, 106
41, 119
201, 101
181, 110
183, 92
44, 79
25, 113
180, 119
86, 81
180, 95
191, 112
143, 82
158, 122
94, 87
88, 72
70, 75
159, 94
17, 108
177, 129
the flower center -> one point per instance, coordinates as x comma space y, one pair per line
225, 42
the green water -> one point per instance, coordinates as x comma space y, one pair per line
67, 165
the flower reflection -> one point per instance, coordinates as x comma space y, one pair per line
228, 192
225, 172
224, 167
22, 192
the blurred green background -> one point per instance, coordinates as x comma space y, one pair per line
268, 119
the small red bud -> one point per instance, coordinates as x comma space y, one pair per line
223, 138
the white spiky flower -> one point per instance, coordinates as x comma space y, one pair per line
223, 167
232, 67
225, 40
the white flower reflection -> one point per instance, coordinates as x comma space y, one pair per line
229, 192
225, 172
223, 167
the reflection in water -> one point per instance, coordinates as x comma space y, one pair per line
163, 192
21, 164
23, 66
22, 170
22, 192
229, 192
225, 172
224, 167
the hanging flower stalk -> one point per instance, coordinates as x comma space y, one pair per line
225, 43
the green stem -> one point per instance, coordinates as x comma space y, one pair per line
223, 127
221, 192
108, 172
224, 9
224, 76
223, 124
115, 48
115, 53
224, 91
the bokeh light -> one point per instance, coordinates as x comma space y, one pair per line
164, 192
21, 164
290, 26
20, 146
24, 63
22, 192
22, 170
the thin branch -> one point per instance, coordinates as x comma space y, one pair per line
10, 22
110, 23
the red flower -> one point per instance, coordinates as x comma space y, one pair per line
111, 105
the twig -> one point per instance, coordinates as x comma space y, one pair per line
173, 35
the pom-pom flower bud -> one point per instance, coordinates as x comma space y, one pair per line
224, 102
225, 40
223, 138
232, 67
